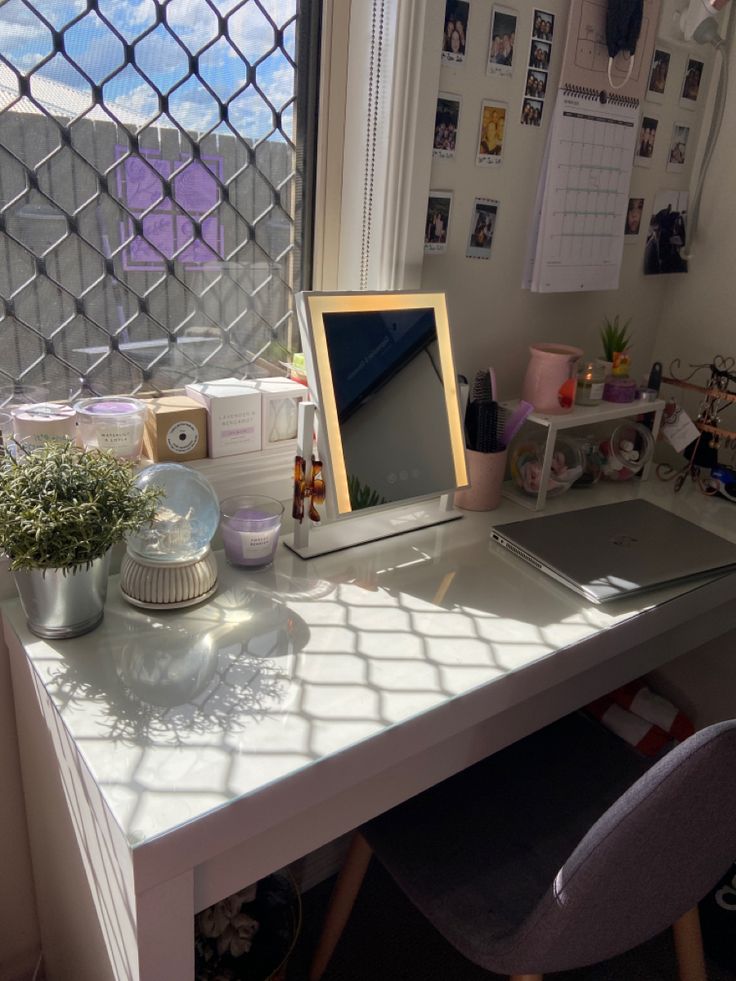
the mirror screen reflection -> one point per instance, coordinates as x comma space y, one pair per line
391, 405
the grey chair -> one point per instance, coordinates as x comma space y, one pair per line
561, 851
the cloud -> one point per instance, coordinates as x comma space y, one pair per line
24, 40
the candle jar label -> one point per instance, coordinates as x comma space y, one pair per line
257, 544
124, 441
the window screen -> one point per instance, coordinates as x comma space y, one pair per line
154, 198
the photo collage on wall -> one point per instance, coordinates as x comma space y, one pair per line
665, 235
461, 32
537, 70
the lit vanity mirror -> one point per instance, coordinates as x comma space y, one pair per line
381, 374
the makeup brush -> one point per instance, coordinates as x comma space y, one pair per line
481, 417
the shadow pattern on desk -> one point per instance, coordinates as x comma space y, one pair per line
169, 682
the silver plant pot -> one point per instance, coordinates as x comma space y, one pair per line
64, 602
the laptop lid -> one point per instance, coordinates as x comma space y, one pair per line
616, 549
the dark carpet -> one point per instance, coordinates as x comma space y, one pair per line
386, 939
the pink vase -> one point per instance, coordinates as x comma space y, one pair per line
551, 377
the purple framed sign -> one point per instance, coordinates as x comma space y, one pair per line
167, 228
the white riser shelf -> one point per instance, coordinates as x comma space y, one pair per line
581, 415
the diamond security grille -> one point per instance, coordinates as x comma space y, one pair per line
152, 193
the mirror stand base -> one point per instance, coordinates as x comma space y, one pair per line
360, 529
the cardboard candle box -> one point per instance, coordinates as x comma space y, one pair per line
233, 415
280, 398
176, 430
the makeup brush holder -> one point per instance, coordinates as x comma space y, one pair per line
485, 475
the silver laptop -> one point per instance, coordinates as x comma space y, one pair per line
618, 549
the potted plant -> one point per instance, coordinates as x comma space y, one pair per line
616, 343
61, 510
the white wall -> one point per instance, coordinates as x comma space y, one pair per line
698, 320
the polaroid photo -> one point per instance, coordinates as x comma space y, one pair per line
536, 84
491, 130
446, 119
645, 147
501, 45
658, 75
456, 31
544, 25
437, 225
531, 112
634, 213
539, 55
482, 228
691, 83
678, 149
666, 235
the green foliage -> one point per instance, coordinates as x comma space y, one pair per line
615, 337
61, 506
361, 495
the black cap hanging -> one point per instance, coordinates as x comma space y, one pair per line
623, 26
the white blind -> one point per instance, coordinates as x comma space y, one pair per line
393, 57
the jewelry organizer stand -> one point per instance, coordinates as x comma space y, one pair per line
712, 395
717, 396
581, 415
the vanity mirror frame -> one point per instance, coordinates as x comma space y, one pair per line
346, 527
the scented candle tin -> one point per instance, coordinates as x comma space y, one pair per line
233, 415
250, 529
280, 398
32, 424
176, 430
113, 423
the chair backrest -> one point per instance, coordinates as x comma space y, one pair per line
648, 860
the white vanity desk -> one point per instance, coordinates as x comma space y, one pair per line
298, 702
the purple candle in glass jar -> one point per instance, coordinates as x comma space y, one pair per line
250, 529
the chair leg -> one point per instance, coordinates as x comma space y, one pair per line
341, 903
689, 947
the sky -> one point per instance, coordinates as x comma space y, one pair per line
161, 56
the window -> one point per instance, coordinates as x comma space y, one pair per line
155, 189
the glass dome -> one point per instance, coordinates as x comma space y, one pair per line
186, 517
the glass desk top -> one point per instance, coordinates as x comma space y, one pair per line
179, 713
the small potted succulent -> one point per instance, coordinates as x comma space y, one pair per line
616, 342
62, 509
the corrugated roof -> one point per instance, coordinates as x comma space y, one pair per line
61, 100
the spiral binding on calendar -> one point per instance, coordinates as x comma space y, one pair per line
600, 95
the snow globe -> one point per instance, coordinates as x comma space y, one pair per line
169, 563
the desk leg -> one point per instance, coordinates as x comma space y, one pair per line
165, 918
